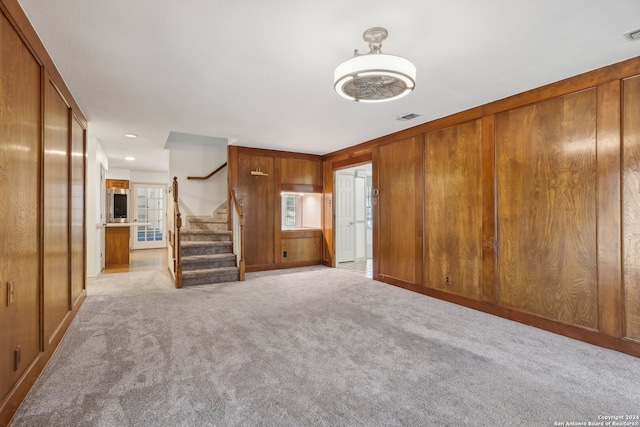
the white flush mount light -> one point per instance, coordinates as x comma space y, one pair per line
131, 159
375, 76
130, 135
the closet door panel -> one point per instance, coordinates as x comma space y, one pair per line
57, 295
77, 209
19, 185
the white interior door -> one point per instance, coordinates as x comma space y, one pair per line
149, 206
345, 218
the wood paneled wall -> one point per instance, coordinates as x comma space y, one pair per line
453, 209
631, 206
530, 207
397, 233
42, 250
546, 186
327, 214
259, 196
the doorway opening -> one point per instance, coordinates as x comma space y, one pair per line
354, 219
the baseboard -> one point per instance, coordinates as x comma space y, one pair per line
588, 335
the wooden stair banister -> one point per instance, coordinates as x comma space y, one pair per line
177, 256
202, 178
237, 227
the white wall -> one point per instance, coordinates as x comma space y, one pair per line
141, 177
311, 210
95, 231
198, 198
114, 173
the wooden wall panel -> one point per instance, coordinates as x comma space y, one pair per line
300, 249
488, 209
327, 213
78, 150
19, 184
301, 171
397, 170
56, 210
608, 205
257, 194
546, 187
631, 205
453, 209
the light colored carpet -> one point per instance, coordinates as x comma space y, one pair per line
314, 347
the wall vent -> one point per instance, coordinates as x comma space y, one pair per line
406, 117
633, 35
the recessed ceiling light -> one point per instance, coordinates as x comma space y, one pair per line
130, 158
130, 135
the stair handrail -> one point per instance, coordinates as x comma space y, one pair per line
202, 178
177, 221
236, 224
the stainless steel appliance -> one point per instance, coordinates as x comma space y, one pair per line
117, 205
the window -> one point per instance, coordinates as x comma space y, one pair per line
290, 215
301, 210
290, 209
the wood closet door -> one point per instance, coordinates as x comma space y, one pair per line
397, 168
57, 293
546, 201
78, 262
631, 205
19, 210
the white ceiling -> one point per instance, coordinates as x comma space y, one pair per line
260, 73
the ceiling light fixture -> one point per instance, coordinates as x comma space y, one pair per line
375, 76
130, 158
130, 135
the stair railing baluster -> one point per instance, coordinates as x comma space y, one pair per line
237, 229
176, 251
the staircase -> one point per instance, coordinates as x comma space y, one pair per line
207, 253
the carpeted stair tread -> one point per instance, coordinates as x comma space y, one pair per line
207, 219
206, 257
209, 276
190, 243
208, 271
205, 235
198, 262
205, 232
191, 248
